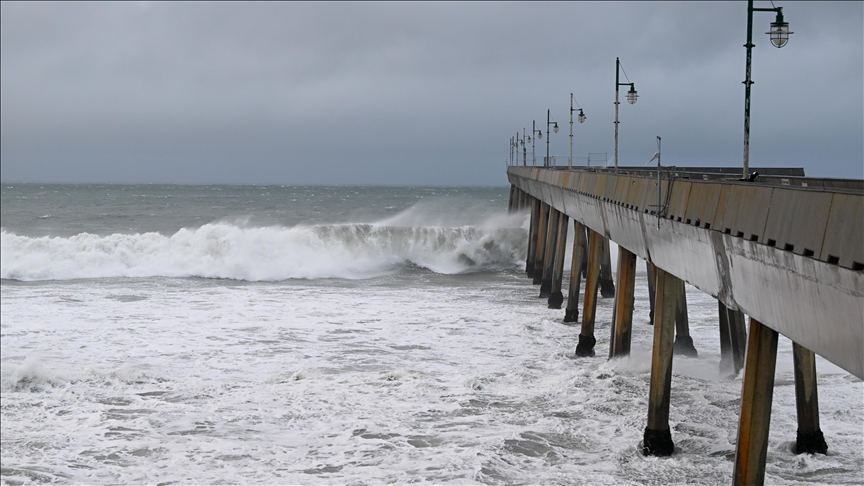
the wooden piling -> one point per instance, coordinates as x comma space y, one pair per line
809, 437
733, 340
583, 266
607, 286
530, 260
651, 281
579, 254
657, 440
549, 256
622, 312
556, 297
540, 250
586, 336
683, 342
757, 392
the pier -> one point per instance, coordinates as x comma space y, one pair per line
783, 249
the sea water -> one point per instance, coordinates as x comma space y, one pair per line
343, 335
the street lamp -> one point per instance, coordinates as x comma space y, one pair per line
549, 123
581, 120
631, 98
520, 141
535, 134
779, 35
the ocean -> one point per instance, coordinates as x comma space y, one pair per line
164, 334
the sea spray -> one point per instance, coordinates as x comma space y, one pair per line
269, 253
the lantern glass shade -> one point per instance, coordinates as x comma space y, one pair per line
555, 128
539, 135
581, 117
631, 95
779, 33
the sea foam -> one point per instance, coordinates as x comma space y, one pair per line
237, 251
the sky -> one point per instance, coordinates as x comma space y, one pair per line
415, 93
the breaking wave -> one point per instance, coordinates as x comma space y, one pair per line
235, 251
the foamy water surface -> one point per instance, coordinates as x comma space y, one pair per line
400, 345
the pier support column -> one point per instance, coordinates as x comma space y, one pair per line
683, 341
809, 438
530, 260
607, 286
583, 266
511, 203
585, 348
549, 257
657, 440
622, 313
540, 250
556, 297
651, 281
757, 392
580, 253
733, 340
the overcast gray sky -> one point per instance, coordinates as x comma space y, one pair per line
414, 93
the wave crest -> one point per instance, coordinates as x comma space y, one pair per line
234, 251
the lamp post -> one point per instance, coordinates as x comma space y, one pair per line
514, 150
534, 135
524, 150
520, 141
779, 34
549, 123
581, 120
631, 98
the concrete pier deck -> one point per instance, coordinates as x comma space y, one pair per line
786, 250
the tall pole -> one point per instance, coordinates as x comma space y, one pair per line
516, 149
548, 117
570, 162
747, 83
533, 136
782, 30
658, 183
524, 150
617, 68
631, 97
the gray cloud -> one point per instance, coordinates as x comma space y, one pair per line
412, 93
